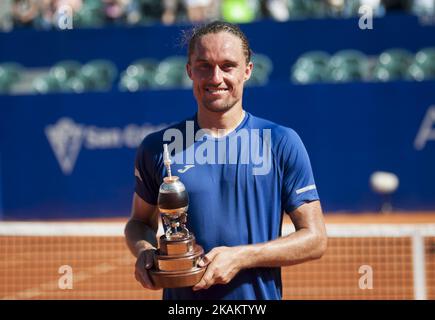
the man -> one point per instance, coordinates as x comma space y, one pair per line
235, 210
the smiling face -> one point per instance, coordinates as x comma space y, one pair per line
218, 69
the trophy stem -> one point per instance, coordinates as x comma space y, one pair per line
167, 160
176, 260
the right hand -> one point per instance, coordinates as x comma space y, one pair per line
144, 262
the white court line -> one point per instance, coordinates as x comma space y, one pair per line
77, 277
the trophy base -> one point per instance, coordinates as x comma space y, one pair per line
184, 262
176, 262
177, 279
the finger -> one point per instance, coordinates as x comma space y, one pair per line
146, 280
140, 280
149, 281
141, 272
204, 261
206, 281
210, 281
200, 285
208, 258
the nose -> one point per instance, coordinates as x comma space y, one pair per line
216, 76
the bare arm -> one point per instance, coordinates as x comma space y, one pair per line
140, 234
140, 231
307, 243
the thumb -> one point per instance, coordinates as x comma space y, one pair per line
149, 259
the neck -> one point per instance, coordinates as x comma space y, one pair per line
220, 124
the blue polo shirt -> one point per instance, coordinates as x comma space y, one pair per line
238, 185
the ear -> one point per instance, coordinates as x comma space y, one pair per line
189, 70
248, 71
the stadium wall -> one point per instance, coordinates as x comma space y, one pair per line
72, 155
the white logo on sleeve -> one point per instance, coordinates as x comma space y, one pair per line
305, 189
187, 167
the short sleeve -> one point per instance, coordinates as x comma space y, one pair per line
146, 174
298, 181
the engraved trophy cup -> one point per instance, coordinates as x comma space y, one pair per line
176, 260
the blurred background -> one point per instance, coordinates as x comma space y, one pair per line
82, 82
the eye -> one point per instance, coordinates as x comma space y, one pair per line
227, 67
203, 66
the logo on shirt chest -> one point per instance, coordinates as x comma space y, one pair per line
186, 167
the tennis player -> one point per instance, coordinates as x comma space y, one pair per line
238, 191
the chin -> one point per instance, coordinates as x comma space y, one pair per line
217, 107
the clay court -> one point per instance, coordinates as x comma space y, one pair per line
103, 267
263, 105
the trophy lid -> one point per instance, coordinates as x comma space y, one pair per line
172, 185
173, 197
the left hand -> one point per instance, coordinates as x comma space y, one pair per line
223, 263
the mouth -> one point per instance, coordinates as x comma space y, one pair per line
216, 91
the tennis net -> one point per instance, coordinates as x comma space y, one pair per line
90, 260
